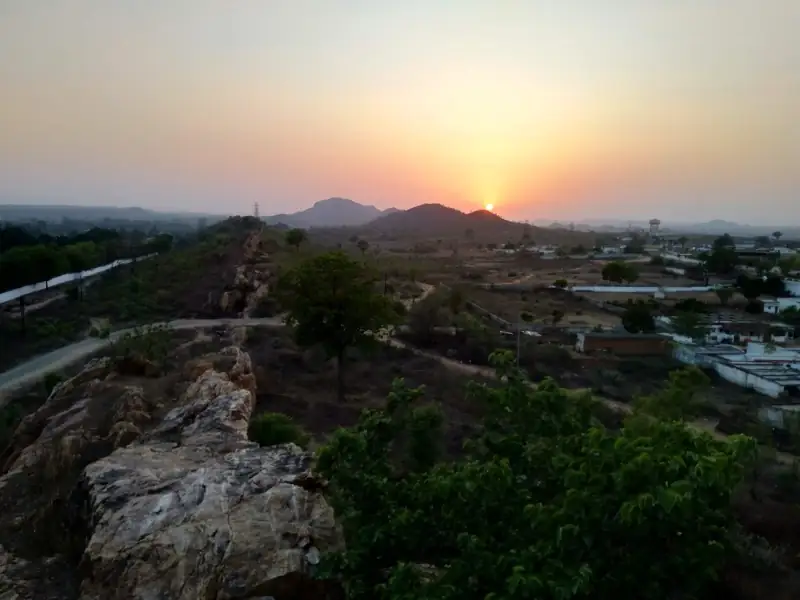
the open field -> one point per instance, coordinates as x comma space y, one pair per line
541, 304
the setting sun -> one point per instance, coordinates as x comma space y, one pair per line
489, 207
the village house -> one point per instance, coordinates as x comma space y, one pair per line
623, 343
731, 329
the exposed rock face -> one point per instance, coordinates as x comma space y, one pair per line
251, 280
158, 498
194, 510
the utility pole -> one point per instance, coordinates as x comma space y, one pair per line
519, 335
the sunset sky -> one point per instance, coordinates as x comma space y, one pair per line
567, 109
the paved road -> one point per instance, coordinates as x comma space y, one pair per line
38, 367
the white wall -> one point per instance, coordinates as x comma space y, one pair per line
748, 380
792, 286
639, 289
66, 278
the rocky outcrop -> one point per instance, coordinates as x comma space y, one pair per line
149, 498
250, 284
195, 510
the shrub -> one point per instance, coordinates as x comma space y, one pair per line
270, 429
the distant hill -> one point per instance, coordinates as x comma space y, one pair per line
333, 212
45, 212
436, 220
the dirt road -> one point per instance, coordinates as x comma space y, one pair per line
40, 366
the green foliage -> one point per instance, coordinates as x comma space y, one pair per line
362, 245
618, 271
722, 260
332, 301
690, 324
295, 237
143, 344
638, 318
427, 314
560, 283
546, 504
724, 241
681, 398
557, 315
270, 429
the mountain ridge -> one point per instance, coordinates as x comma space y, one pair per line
331, 212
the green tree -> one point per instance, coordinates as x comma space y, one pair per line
722, 260
724, 241
560, 283
362, 245
295, 237
777, 235
455, 300
17, 268
557, 316
682, 241
425, 316
49, 262
680, 400
690, 324
618, 271
546, 503
333, 301
637, 318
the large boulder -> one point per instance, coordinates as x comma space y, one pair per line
195, 510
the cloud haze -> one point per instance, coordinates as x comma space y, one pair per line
684, 109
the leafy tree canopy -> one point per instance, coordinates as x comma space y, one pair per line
618, 271
333, 301
545, 504
638, 318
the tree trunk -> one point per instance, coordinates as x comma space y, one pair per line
340, 360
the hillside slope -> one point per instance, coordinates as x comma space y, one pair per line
333, 212
437, 220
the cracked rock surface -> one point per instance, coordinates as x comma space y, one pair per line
194, 510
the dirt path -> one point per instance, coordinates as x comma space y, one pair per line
40, 366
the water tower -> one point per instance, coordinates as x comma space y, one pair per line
654, 225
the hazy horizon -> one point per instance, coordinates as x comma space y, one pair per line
682, 110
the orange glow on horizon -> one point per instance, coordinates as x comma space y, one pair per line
489, 207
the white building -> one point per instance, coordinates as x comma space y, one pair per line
774, 306
612, 249
733, 330
681, 257
772, 372
792, 286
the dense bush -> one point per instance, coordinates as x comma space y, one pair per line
546, 504
269, 429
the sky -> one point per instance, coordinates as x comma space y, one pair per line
564, 109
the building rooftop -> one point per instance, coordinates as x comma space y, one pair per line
779, 374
